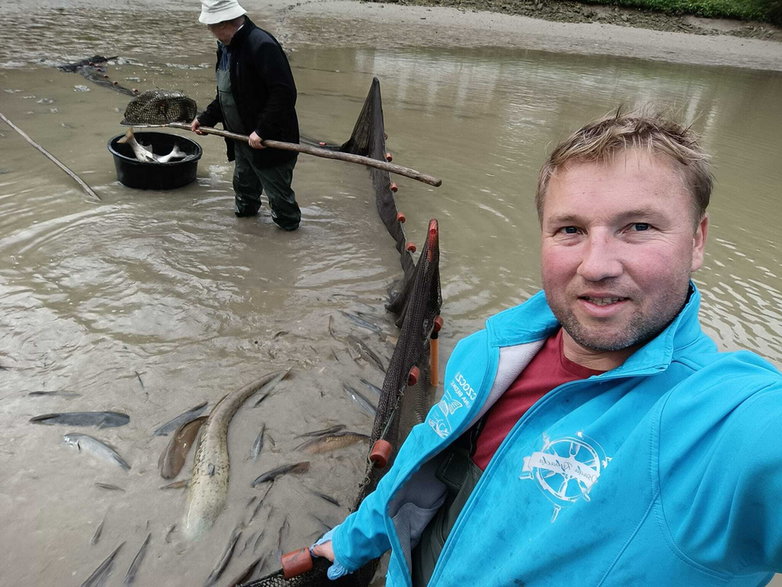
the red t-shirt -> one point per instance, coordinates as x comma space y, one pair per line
548, 369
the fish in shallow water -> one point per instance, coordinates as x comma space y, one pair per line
224, 558
181, 419
208, 486
99, 419
93, 446
99, 575
323, 444
271, 475
172, 459
258, 444
130, 576
146, 155
361, 400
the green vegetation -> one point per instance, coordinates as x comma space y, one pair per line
769, 11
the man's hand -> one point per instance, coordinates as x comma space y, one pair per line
255, 141
324, 550
195, 126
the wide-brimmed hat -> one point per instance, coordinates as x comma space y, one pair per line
214, 11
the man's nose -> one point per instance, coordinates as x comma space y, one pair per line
600, 257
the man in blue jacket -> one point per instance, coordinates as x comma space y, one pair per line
593, 435
256, 96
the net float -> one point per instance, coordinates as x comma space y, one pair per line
381, 453
296, 562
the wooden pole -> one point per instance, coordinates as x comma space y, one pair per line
309, 150
51, 157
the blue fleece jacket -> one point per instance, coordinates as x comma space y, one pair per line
664, 471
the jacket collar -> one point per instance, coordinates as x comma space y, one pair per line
533, 321
241, 34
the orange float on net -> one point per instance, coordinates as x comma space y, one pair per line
389, 157
381, 453
412, 377
393, 187
410, 247
400, 217
437, 326
296, 562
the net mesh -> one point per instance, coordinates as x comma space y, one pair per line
160, 107
406, 391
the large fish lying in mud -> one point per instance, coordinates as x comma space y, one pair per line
145, 155
208, 485
99, 419
98, 448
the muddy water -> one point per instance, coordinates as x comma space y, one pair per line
150, 302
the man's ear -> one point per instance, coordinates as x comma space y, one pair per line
699, 243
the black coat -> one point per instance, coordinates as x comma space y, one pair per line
265, 93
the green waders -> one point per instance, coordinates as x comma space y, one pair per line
249, 180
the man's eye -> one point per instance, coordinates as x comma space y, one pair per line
569, 230
638, 226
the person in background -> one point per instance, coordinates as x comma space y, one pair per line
593, 435
256, 96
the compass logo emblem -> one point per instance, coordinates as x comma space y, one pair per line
566, 469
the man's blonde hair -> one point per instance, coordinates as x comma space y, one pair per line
600, 141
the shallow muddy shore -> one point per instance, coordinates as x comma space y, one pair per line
567, 27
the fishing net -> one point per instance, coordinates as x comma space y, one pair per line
160, 107
407, 391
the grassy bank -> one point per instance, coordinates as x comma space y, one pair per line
769, 11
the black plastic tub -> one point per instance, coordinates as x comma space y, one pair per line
155, 176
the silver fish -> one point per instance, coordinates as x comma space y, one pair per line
367, 353
92, 445
181, 484
146, 155
358, 320
372, 387
208, 485
99, 575
269, 387
360, 400
258, 444
324, 432
323, 496
224, 559
130, 576
272, 474
323, 444
182, 418
109, 486
99, 419
98, 531
68, 394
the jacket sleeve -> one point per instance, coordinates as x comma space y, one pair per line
364, 535
721, 474
274, 70
212, 114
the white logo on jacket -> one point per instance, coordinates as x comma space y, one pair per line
458, 394
566, 469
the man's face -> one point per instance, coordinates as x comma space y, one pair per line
619, 242
224, 31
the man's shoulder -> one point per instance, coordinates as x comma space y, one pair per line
259, 35
733, 377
